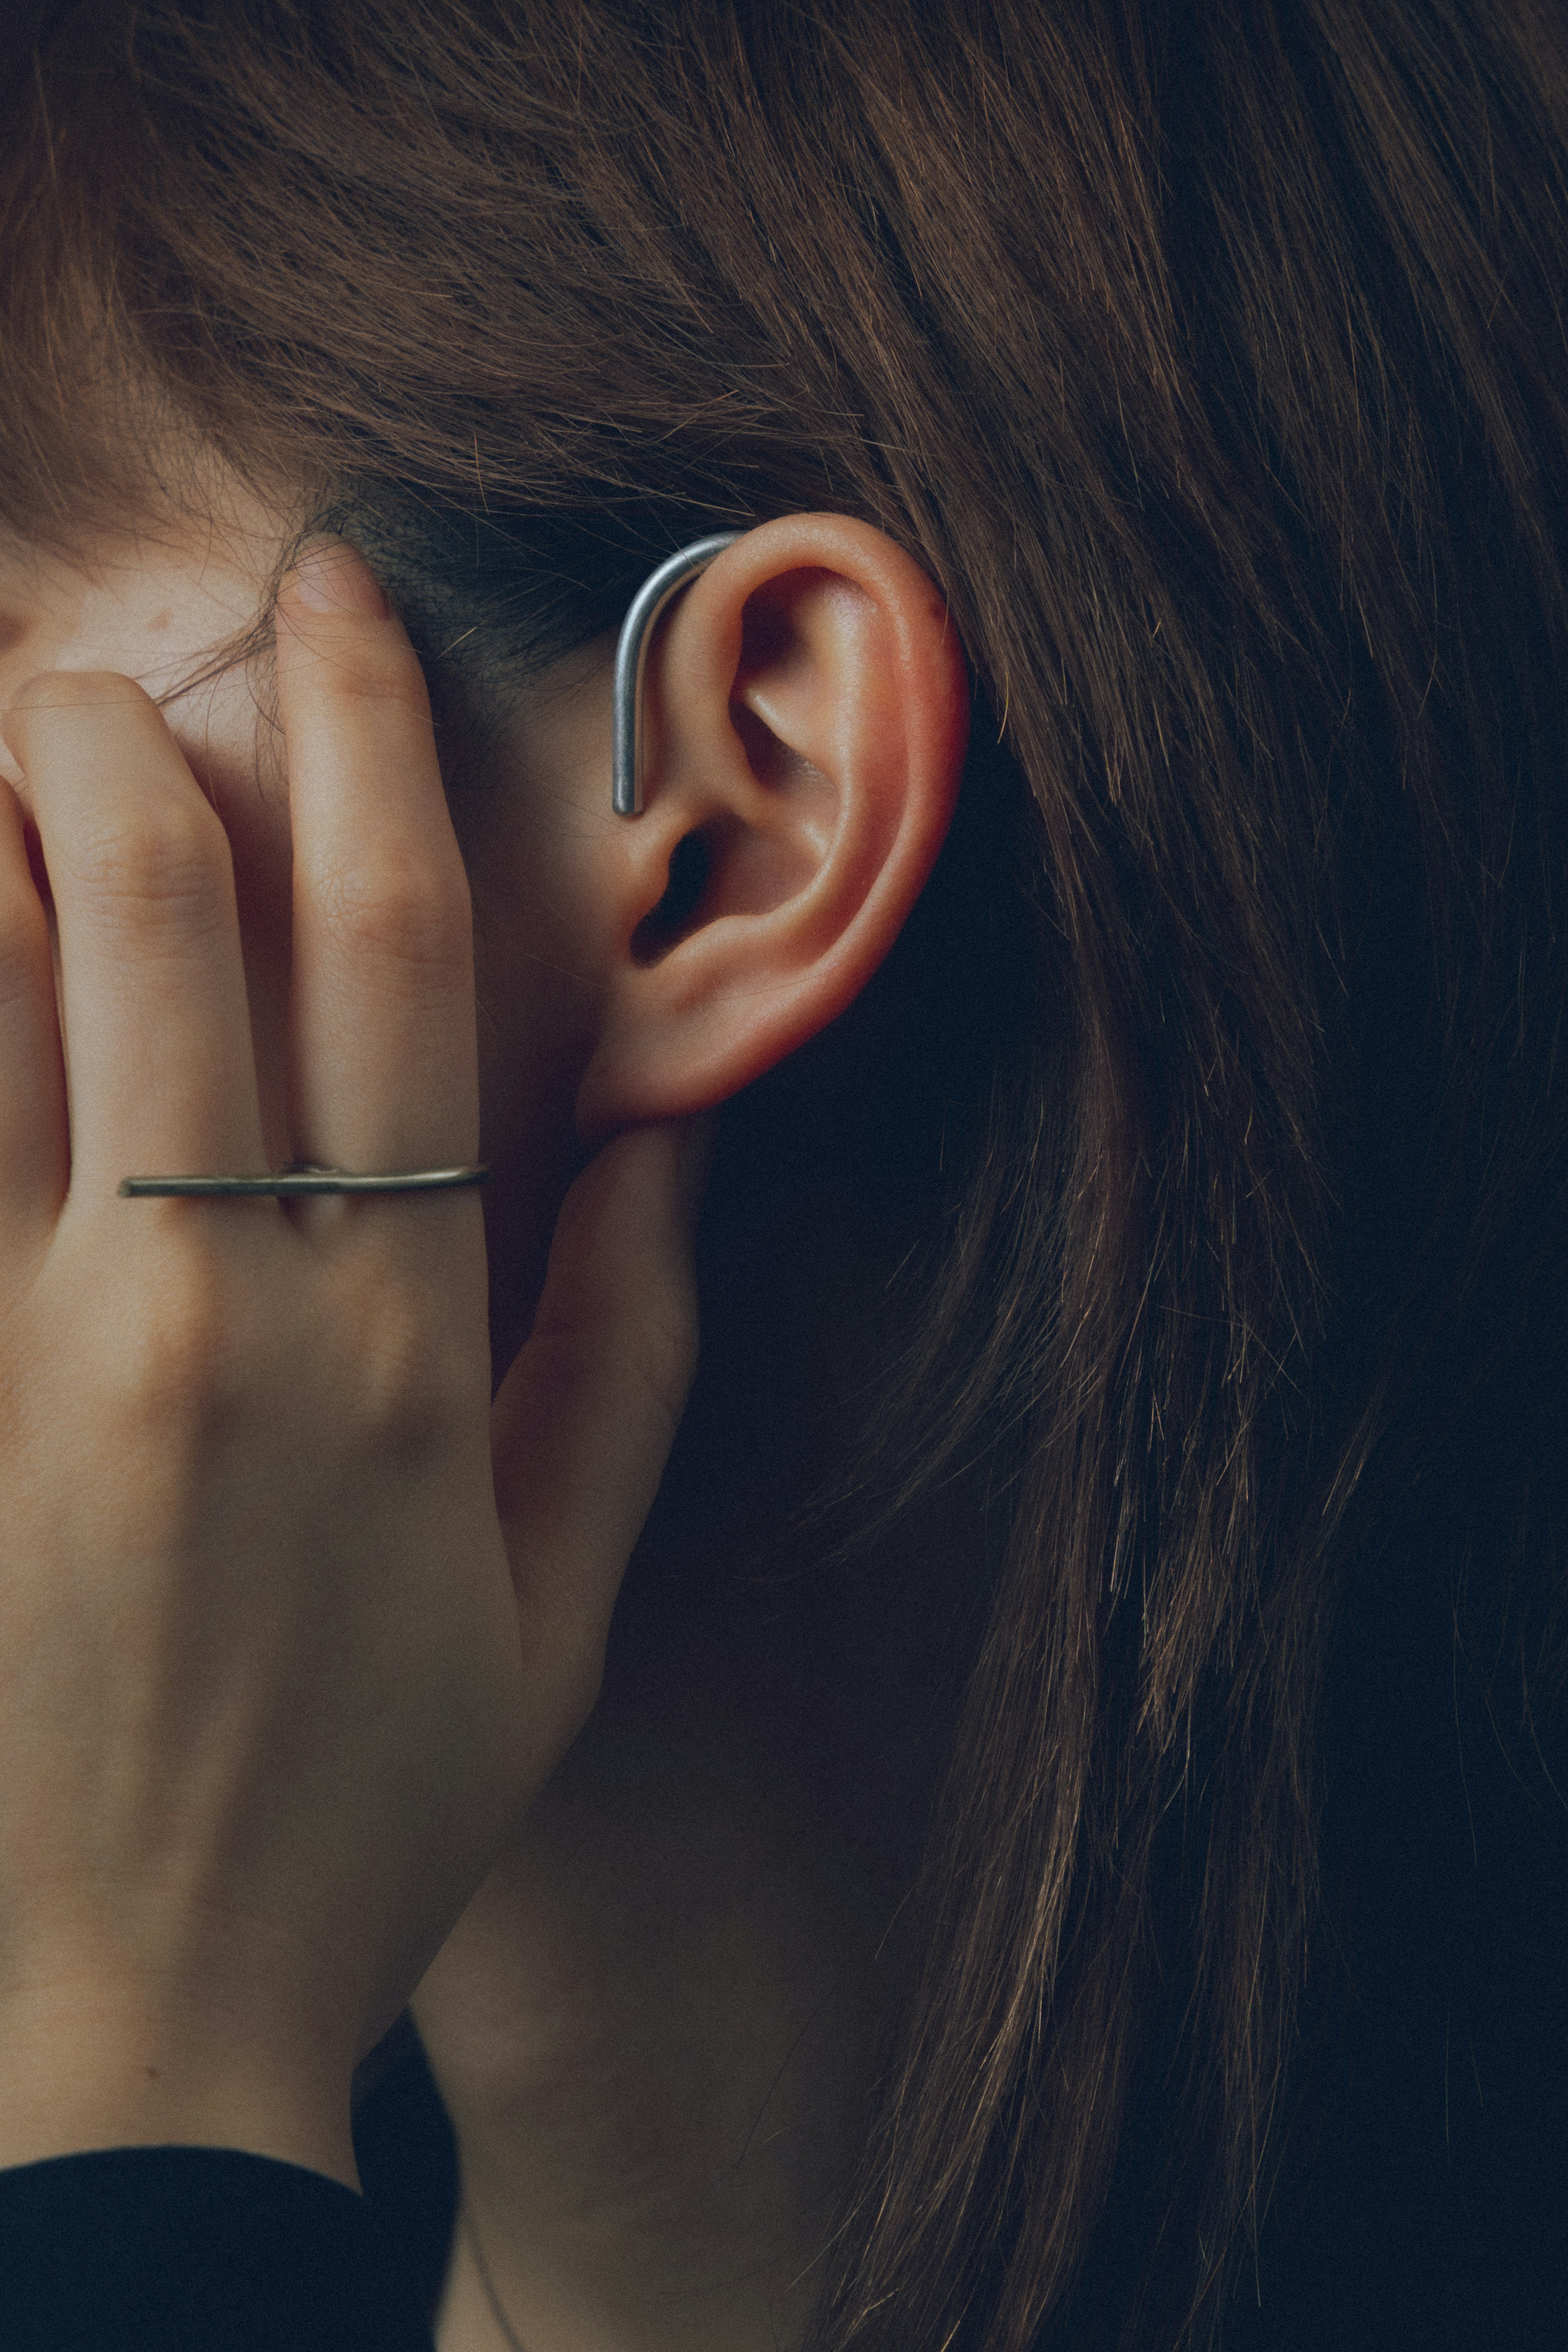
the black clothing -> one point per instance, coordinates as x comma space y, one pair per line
198, 2249
212, 2250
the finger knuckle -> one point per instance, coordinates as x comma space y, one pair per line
332, 660
401, 914
381, 678
35, 701
173, 1368
150, 870
415, 1385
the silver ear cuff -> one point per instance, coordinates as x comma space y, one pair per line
632, 658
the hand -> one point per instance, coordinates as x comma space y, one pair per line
282, 1649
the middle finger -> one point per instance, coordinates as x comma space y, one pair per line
385, 1047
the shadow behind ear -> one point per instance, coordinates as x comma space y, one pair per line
832, 1215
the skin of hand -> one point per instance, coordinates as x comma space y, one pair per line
656, 2024
294, 1621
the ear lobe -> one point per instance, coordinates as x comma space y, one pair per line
807, 713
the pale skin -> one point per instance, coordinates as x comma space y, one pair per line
289, 1734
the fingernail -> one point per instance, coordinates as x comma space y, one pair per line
332, 577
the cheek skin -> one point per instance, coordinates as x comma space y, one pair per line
152, 611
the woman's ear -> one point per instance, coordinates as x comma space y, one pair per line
806, 713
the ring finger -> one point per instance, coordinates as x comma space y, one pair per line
160, 1074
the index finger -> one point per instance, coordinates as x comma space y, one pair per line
385, 1047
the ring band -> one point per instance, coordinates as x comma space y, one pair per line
303, 1177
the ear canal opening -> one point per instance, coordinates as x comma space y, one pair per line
691, 862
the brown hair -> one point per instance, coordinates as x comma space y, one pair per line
1210, 359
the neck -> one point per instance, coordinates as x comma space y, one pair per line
655, 2030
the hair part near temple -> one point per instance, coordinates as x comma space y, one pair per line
1206, 1120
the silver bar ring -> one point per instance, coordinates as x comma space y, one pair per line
631, 658
304, 1178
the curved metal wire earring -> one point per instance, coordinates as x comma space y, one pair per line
631, 658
